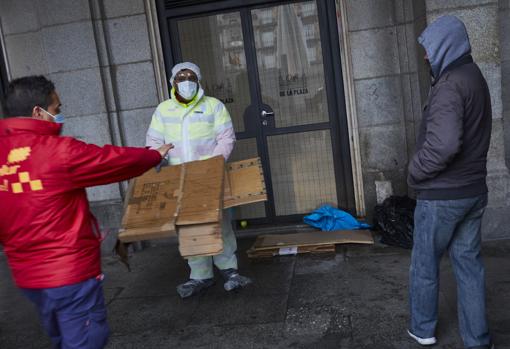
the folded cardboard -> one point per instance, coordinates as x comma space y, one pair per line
244, 183
200, 240
284, 251
187, 200
310, 242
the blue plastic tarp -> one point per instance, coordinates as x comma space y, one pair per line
329, 218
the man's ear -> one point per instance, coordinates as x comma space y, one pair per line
37, 113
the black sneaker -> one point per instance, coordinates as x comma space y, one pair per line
233, 280
193, 287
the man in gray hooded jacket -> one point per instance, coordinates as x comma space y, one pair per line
448, 173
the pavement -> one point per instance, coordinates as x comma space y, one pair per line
354, 298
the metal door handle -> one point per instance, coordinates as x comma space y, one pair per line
266, 113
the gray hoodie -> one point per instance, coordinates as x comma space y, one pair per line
445, 41
451, 151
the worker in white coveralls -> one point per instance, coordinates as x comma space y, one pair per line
199, 127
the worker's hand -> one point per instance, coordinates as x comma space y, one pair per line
164, 149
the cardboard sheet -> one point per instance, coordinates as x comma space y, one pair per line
157, 204
312, 242
188, 199
244, 183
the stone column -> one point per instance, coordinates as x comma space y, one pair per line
386, 78
504, 38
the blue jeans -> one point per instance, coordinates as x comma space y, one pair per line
74, 316
453, 225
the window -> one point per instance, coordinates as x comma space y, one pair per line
267, 39
265, 16
308, 10
309, 31
269, 61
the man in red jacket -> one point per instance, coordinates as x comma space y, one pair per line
50, 238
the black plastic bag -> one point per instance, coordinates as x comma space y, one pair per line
394, 220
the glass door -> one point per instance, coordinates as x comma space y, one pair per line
267, 64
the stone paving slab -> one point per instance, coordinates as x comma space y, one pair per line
356, 298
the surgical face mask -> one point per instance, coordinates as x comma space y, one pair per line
187, 89
59, 118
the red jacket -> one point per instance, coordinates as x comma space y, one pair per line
47, 231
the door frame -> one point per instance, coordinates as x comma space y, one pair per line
341, 136
4, 73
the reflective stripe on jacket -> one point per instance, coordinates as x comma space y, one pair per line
198, 130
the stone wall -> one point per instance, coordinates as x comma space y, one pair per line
504, 34
388, 90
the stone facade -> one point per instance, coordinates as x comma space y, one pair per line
98, 53
388, 93
391, 83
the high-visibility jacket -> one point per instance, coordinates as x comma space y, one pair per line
199, 130
48, 234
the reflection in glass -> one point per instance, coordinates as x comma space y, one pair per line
215, 44
302, 171
289, 59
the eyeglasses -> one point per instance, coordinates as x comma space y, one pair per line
186, 76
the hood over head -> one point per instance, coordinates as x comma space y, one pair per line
445, 41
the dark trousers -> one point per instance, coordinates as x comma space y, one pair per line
74, 316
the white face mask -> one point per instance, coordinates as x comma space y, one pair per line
187, 89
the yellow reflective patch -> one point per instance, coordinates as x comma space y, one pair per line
15, 156
36, 185
17, 188
201, 130
24, 177
18, 155
8, 170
